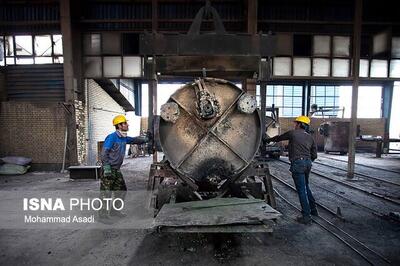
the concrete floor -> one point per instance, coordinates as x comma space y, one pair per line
290, 243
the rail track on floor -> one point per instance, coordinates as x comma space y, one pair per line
363, 165
347, 184
360, 174
365, 252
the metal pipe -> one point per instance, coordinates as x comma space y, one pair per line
354, 101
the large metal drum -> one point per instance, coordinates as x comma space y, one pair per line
210, 130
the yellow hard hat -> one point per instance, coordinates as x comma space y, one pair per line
303, 119
119, 119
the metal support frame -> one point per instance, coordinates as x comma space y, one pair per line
263, 93
387, 96
65, 19
354, 101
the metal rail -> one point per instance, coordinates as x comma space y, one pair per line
377, 195
360, 174
339, 237
374, 212
363, 165
319, 204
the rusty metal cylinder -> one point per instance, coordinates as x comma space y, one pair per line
210, 130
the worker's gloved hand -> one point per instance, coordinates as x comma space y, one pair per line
107, 171
141, 140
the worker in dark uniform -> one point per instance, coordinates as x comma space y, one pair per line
302, 151
113, 154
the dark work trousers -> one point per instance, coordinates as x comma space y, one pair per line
300, 169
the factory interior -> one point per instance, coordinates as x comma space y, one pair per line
207, 88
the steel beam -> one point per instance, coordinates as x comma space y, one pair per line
65, 19
354, 100
387, 97
252, 16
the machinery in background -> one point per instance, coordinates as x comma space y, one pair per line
272, 129
325, 111
336, 136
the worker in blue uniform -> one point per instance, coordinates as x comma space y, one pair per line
112, 156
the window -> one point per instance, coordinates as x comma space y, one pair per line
31, 49
287, 98
327, 100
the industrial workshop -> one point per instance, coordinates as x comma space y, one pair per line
199, 132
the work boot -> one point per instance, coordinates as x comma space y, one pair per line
315, 213
304, 219
117, 214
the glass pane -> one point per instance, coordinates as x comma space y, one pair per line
282, 66
258, 89
312, 90
322, 46
2, 59
278, 90
24, 61
288, 90
57, 41
92, 67
379, 68
297, 101
270, 90
278, 101
329, 102
320, 91
111, 43
297, 90
301, 67
395, 68
43, 60
9, 60
23, 45
132, 66
112, 66
321, 67
43, 45
320, 101
296, 111
9, 46
287, 101
364, 68
380, 43
341, 46
269, 101
340, 67
91, 44
287, 112
396, 47
330, 91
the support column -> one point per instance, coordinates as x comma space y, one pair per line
152, 109
69, 87
154, 15
387, 95
354, 95
263, 93
252, 16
